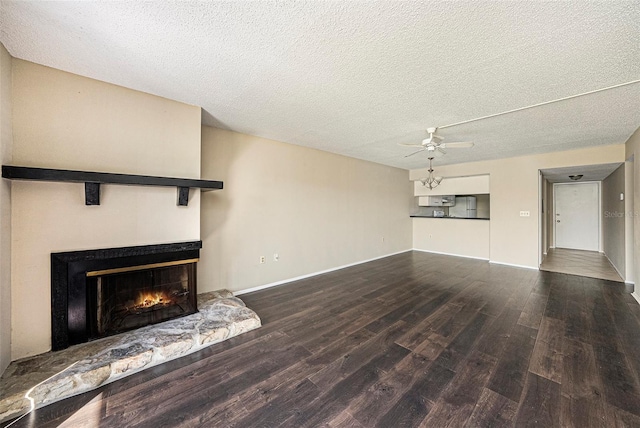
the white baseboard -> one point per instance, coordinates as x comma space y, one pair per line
297, 278
450, 254
636, 296
513, 265
481, 258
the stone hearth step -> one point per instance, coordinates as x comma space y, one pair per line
53, 376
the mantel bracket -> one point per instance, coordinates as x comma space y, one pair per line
183, 196
91, 193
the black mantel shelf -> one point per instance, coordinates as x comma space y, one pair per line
93, 180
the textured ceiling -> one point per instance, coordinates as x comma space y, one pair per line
588, 172
356, 78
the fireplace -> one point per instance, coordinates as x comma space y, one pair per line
99, 293
123, 299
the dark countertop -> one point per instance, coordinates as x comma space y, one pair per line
455, 218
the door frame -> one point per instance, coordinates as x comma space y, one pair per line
599, 186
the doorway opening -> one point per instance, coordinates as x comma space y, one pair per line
578, 232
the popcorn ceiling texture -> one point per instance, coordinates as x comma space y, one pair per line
356, 78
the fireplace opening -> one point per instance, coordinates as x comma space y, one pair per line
128, 298
97, 293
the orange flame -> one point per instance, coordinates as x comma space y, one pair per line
148, 299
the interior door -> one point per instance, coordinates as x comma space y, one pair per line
577, 216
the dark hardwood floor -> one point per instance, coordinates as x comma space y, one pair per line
411, 340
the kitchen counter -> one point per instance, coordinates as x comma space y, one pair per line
455, 218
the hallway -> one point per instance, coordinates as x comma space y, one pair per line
578, 262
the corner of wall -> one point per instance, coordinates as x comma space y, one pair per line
632, 147
6, 148
317, 210
613, 220
107, 128
628, 220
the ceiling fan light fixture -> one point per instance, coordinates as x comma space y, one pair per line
435, 145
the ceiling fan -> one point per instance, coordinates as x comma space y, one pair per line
434, 145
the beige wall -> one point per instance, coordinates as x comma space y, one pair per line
613, 213
467, 238
483, 205
633, 150
514, 187
317, 210
6, 142
61, 120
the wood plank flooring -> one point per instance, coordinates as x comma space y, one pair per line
578, 262
412, 340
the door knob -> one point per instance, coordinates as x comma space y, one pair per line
557, 221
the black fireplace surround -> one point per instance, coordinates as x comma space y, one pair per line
69, 295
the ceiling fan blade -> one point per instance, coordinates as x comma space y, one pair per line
458, 145
441, 150
417, 151
410, 145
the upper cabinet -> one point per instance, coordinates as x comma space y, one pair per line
437, 201
471, 185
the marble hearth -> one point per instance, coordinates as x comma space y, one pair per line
44, 379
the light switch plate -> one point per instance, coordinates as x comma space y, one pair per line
525, 214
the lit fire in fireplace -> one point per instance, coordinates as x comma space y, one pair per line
150, 299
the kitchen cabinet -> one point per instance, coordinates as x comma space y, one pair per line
436, 201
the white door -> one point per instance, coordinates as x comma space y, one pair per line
577, 216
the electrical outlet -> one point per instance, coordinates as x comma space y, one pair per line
263, 259
525, 214
276, 257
